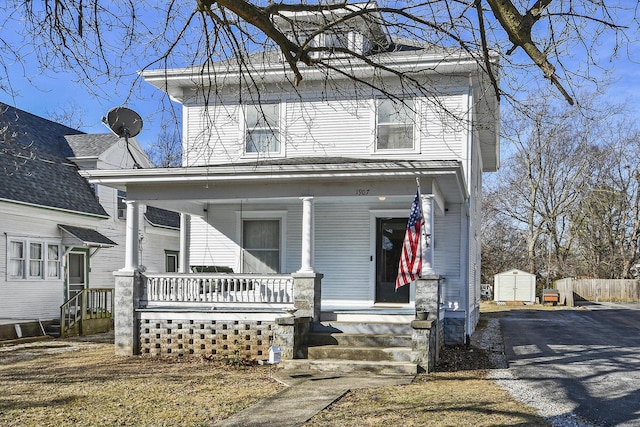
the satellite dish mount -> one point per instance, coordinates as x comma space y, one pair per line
125, 123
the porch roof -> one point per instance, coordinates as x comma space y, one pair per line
285, 178
79, 236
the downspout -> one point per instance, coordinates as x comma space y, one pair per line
466, 228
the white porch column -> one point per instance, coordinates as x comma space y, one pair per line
427, 233
308, 239
131, 255
185, 232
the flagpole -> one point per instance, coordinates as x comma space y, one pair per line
421, 240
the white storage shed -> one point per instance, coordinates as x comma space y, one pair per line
514, 285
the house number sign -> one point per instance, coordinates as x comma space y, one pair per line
362, 191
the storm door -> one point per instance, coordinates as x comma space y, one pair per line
389, 237
76, 273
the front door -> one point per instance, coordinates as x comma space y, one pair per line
389, 238
76, 273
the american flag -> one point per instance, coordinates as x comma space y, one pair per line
410, 266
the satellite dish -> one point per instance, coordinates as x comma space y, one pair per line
124, 122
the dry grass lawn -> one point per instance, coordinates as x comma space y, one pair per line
59, 383
464, 398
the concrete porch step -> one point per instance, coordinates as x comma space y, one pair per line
358, 340
372, 354
346, 366
369, 328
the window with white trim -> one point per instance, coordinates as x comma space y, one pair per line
121, 205
395, 125
33, 259
261, 246
262, 128
171, 261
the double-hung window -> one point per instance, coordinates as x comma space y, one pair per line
36, 260
17, 259
262, 128
261, 246
395, 125
53, 261
33, 259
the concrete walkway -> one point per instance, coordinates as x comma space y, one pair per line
307, 394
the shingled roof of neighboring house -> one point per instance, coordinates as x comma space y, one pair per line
33, 164
90, 145
162, 218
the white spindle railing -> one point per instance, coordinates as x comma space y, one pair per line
219, 288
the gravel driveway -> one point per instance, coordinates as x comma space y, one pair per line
577, 367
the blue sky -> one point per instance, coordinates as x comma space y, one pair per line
43, 95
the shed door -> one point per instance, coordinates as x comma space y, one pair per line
505, 291
522, 287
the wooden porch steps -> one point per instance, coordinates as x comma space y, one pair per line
381, 348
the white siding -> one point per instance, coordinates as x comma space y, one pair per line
42, 298
340, 128
212, 135
215, 244
332, 128
441, 130
447, 253
32, 299
343, 251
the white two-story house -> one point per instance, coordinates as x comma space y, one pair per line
319, 178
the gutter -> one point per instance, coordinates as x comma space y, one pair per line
52, 208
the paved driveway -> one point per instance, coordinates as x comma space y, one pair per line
589, 359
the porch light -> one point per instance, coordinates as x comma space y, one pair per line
382, 198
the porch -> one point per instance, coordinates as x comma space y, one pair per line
240, 316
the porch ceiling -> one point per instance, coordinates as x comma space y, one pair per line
190, 189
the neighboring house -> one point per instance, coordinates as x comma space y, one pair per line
59, 234
315, 183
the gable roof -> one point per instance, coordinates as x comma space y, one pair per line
34, 168
90, 145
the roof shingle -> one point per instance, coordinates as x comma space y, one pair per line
33, 164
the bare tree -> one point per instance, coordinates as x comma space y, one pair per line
504, 244
107, 42
550, 170
166, 152
607, 222
70, 115
571, 187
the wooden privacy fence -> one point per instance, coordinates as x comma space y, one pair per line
620, 290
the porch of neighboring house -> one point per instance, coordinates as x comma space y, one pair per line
238, 317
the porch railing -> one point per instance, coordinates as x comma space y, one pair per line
89, 304
222, 289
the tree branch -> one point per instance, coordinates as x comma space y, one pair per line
518, 28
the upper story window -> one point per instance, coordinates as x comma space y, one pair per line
32, 259
339, 39
262, 131
395, 125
